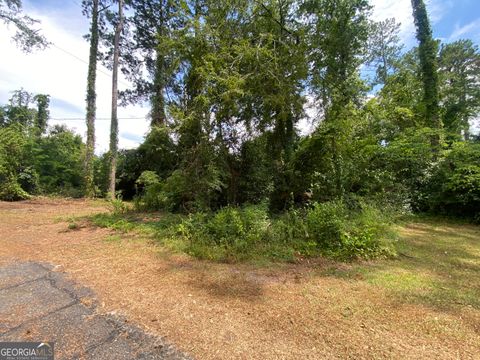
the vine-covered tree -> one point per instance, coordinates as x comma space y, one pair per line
91, 9
114, 118
42, 115
427, 51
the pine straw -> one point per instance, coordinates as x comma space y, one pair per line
225, 311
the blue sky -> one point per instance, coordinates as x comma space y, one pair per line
458, 19
61, 70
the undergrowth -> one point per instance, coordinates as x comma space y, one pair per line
334, 229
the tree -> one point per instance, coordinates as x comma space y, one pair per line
42, 115
27, 37
18, 111
338, 38
427, 50
459, 69
151, 24
91, 8
12, 153
383, 48
57, 159
114, 120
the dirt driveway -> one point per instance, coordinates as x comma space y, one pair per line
317, 310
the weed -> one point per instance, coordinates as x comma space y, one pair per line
73, 226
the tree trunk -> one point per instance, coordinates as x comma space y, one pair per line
158, 101
114, 121
91, 104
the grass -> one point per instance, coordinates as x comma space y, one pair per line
161, 227
438, 265
422, 304
438, 261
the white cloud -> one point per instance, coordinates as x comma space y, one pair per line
401, 11
460, 31
56, 72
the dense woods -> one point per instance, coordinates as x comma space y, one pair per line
231, 84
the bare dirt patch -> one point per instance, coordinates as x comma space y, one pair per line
225, 311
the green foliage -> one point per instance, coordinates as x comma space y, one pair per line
454, 188
155, 194
229, 234
118, 206
150, 192
427, 50
42, 115
157, 153
10, 190
27, 36
73, 226
326, 222
383, 48
348, 233
58, 161
13, 141
255, 182
229, 83
329, 228
147, 178
459, 77
31, 161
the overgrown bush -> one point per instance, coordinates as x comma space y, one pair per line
155, 195
326, 223
348, 232
117, 206
10, 190
454, 187
229, 233
330, 228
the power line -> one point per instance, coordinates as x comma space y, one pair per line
76, 3
85, 62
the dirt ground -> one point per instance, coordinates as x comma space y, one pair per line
314, 310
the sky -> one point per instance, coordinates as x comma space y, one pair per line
61, 70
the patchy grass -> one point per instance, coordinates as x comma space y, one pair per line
422, 304
438, 262
438, 265
113, 238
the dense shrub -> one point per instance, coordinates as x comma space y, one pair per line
154, 194
326, 223
10, 190
330, 228
348, 233
229, 233
454, 188
12, 154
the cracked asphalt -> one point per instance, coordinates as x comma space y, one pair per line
40, 304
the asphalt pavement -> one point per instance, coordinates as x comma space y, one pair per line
40, 304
